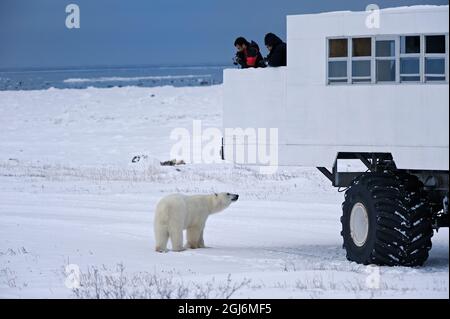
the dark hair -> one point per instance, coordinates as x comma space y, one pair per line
272, 40
241, 41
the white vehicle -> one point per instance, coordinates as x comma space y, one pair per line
367, 87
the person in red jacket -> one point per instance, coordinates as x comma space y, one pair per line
248, 55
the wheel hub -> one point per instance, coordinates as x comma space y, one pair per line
359, 224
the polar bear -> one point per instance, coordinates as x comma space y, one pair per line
177, 212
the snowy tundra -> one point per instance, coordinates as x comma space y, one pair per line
80, 176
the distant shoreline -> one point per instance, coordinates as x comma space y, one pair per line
116, 67
115, 76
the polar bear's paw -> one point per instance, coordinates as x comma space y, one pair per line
192, 246
195, 246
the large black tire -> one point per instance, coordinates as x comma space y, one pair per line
399, 220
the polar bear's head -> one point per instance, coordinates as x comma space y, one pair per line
220, 201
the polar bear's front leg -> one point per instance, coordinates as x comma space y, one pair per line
193, 237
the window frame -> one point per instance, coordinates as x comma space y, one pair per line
369, 58
443, 56
394, 57
412, 56
336, 59
422, 56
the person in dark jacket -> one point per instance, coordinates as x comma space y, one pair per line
277, 50
248, 54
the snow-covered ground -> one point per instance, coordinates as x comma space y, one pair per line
70, 194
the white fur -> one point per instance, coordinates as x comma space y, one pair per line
175, 213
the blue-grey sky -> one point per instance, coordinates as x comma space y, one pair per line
148, 32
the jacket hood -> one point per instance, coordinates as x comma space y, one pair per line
272, 40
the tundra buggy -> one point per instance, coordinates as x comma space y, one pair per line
376, 94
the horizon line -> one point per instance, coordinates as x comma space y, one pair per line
115, 66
